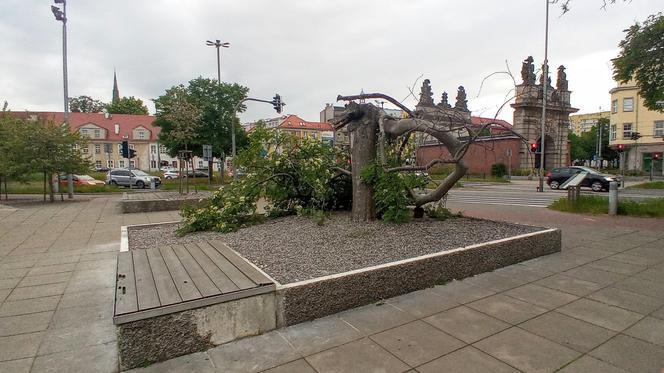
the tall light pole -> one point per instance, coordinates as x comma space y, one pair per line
545, 90
218, 44
61, 15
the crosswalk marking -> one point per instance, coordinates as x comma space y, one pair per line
504, 199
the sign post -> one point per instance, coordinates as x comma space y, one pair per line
207, 157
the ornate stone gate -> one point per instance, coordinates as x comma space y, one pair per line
528, 117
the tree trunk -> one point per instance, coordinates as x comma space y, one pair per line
363, 152
51, 196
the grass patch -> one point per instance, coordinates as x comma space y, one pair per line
650, 185
651, 207
38, 188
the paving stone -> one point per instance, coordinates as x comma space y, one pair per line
359, 356
631, 354
466, 324
16, 366
98, 359
594, 275
523, 273
587, 364
22, 307
64, 259
569, 284
422, 303
652, 274
198, 362
494, 281
98, 297
617, 267
17, 265
45, 279
659, 313
626, 257
58, 268
461, 292
466, 360
376, 317
38, 291
417, 342
19, 346
526, 351
77, 337
601, 314
68, 317
318, 335
253, 354
642, 304
568, 331
13, 273
649, 329
557, 262
9, 283
21, 324
507, 309
642, 286
541, 296
4, 293
297, 366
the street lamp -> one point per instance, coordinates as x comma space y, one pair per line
61, 15
218, 44
545, 90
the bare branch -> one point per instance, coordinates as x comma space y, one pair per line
421, 168
342, 171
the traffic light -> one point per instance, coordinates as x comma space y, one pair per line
533, 147
276, 102
656, 156
620, 148
124, 149
132, 153
635, 136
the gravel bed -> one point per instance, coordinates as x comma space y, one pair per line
296, 248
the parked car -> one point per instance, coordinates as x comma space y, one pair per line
81, 180
137, 178
100, 169
197, 173
594, 180
171, 174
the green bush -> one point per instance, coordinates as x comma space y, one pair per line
498, 170
652, 207
440, 212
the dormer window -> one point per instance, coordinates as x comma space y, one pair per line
84, 132
97, 133
141, 135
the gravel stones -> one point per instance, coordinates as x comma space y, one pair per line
296, 248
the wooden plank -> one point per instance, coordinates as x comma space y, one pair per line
216, 275
201, 279
125, 290
181, 278
168, 293
146, 291
250, 271
197, 303
234, 274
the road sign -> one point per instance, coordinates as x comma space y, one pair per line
207, 152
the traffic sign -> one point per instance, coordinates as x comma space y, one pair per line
207, 152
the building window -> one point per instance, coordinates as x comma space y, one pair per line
614, 106
141, 135
108, 148
175, 164
200, 164
85, 149
131, 146
110, 163
153, 164
121, 163
627, 130
98, 164
153, 149
132, 164
84, 132
162, 149
628, 104
97, 149
120, 148
658, 128
97, 134
614, 130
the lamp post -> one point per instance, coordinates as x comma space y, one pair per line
545, 89
218, 44
61, 15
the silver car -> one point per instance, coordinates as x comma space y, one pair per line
137, 178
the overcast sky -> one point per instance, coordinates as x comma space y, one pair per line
309, 51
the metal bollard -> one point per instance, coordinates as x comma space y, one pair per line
613, 198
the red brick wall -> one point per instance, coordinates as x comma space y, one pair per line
480, 156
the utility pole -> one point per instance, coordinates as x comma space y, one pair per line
599, 147
545, 90
217, 44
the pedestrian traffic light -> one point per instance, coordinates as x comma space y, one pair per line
276, 102
620, 148
635, 136
656, 156
124, 149
533, 147
132, 153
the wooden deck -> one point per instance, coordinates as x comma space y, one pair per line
168, 279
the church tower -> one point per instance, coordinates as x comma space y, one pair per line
116, 91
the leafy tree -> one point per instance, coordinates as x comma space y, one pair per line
128, 105
216, 103
584, 147
85, 104
642, 58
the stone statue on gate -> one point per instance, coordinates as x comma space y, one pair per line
561, 83
443, 102
545, 68
461, 102
528, 71
426, 95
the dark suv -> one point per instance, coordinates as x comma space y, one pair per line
593, 180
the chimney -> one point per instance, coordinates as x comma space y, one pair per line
117, 129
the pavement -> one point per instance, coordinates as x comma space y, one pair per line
598, 306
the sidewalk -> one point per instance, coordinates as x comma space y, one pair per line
596, 307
